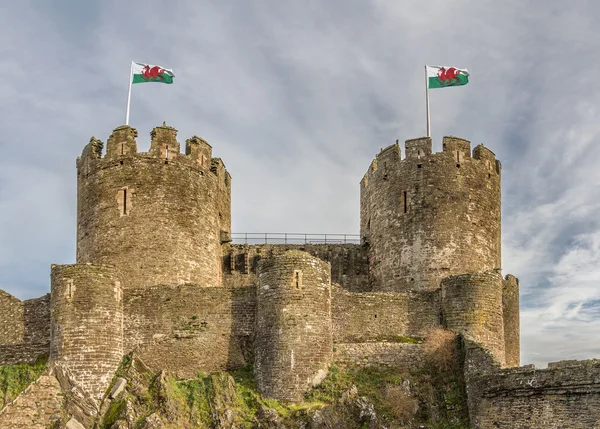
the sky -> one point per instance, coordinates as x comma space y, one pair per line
297, 97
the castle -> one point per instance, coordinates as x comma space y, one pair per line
156, 273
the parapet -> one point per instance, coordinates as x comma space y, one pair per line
122, 149
121, 142
459, 148
199, 150
164, 142
418, 148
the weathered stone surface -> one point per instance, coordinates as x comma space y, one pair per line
74, 424
512, 325
157, 216
36, 407
349, 263
187, 328
118, 387
293, 325
565, 395
87, 324
430, 215
24, 329
472, 305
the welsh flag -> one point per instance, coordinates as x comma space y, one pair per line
149, 73
443, 76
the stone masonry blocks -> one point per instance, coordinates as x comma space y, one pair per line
472, 306
293, 345
87, 324
512, 329
430, 215
157, 216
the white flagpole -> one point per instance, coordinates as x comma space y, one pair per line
129, 94
427, 103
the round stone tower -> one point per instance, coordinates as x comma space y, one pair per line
87, 324
472, 305
430, 215
161, 216
293, 345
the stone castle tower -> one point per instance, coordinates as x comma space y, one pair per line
158, 275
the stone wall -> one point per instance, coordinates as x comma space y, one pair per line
87, 324
293, 325
39, 406
24, 329
472, 306
404, 356
430, 215
185, 329
565, 395
510, 315
382, 316
349, 264
158, 216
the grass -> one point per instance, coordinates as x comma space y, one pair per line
15, 378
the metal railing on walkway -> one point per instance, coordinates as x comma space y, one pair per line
292, 238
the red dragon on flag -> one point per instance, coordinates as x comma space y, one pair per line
448, 76
153, 72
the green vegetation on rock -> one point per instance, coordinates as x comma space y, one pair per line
15, 378
350, 397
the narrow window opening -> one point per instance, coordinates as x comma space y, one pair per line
124, 201
419, 154
70, 290
457, 156
375, 316
122, 148
297, 280
404, 197
489, 175
167, 152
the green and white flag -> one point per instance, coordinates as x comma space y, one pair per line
150, 73
443, 76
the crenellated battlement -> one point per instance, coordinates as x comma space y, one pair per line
418, 153
122, 151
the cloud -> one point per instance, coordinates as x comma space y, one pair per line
297, 98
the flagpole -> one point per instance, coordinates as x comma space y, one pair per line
427, 103
129, 94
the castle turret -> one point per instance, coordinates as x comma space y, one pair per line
87, 324
159, 216
430, 215
472, 305
293, 345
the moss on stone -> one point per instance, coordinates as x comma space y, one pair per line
15, 378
